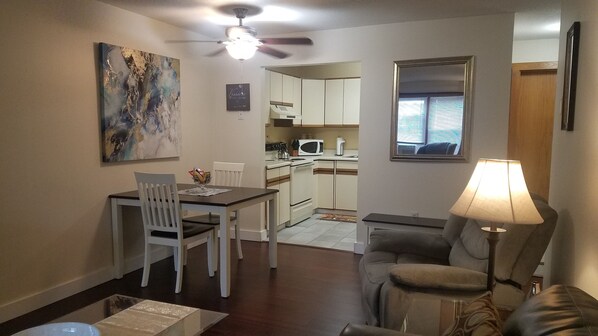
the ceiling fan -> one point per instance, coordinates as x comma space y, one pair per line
242, 42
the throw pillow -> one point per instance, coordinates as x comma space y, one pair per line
479, 318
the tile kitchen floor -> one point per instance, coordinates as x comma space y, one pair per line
320, 233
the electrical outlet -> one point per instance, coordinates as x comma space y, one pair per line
241, 116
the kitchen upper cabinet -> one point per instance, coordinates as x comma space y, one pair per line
351, 101
275, 86
333, 111
330, 102
296, 98
312, 102
282, 88
288, 89
342, 102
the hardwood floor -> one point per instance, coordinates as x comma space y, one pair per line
312, 292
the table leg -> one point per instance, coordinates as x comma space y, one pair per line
273, 231
225, 254
117, 238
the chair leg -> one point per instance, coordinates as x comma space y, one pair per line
210, 247
179, 264
175, 252
146, 266
185, 253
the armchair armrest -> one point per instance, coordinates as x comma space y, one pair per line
365, 330
438, 277
411, 242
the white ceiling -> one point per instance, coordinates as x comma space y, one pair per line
209, 17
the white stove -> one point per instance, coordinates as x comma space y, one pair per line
300, 184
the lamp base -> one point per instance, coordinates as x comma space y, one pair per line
493, 233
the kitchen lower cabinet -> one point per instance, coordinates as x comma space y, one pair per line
325, 179
336, 185
345, 191
280, 178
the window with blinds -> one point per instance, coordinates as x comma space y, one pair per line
430, 119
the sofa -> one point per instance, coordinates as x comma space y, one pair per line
452, 264
558, 310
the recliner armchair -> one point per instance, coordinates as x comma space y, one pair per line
451, 264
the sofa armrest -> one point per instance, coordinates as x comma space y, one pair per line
411, 242
559, 309
437, 277
365, 330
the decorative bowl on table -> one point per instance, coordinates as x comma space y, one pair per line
200, 177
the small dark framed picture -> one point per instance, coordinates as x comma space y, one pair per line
570, 82
237, 97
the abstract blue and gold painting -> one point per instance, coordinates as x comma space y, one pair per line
140, 100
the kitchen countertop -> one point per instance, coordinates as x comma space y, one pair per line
350, 155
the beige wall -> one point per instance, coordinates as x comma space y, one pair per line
544, 50
574, 177
55, 221
430, 189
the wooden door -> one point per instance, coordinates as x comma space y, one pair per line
531, 117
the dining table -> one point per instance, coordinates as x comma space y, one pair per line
235, 198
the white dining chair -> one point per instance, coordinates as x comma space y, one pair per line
162, 223
226, 174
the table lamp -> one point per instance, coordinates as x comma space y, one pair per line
496, 193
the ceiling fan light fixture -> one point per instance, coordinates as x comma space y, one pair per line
241, 49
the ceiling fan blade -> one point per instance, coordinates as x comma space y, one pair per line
272, 52
287, 40
193, 41
216, 53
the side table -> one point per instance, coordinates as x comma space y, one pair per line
398, 222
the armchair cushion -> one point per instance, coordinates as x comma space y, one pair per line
437, 277
410, 242
470, 250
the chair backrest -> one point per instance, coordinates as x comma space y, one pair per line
160, 207
227, 174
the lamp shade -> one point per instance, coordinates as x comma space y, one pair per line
497, 193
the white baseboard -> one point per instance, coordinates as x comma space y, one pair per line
43, 298
257, 236
40, 299
358, 247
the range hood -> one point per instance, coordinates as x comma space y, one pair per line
283, 112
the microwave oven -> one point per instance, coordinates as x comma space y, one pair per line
310, 147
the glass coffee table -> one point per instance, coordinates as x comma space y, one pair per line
124, 315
